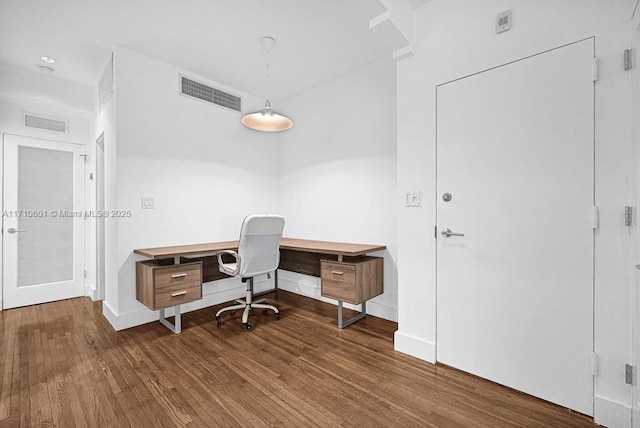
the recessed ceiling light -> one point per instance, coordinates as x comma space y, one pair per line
45, 69
48, 59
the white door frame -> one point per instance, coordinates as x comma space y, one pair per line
635, 188
100, 222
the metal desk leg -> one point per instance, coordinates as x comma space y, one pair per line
177, 327
362, 314
275, 288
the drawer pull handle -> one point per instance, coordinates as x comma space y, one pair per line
337, 272
181, 293
179, 275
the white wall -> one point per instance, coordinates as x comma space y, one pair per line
457, 38
337, 172
24, 91
35, 87
107, 125
204, 169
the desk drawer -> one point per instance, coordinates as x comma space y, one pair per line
353, 281
159, 285
338, 281
182, 275
339, 290
338, 272
177, 294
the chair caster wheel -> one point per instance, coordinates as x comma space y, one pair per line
218, 320
277, 315
248, 326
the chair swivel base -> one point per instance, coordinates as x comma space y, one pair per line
247, 305
245, 314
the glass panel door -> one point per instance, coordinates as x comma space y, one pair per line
45, 220
42, 221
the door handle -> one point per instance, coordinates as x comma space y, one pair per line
447, 233
13, 230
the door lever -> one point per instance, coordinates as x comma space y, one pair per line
447, 233
13, 230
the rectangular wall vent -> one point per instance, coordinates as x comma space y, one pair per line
105, 85
44, 123
207, 93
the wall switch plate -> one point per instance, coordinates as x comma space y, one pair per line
503, 21
148, 203
412, 198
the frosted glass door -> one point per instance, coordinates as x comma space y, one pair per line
42, 221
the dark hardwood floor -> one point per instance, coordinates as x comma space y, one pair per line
62, 364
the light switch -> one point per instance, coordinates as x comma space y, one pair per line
412, 198
148, 203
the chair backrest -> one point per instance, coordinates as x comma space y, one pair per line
259, 245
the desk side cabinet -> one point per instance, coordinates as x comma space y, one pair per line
354, 281
160, 287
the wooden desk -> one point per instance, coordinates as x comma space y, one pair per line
325, 247
361, 273
186, 250
303, 245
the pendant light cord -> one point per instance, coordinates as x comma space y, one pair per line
267, 67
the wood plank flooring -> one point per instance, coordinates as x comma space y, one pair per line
62, 364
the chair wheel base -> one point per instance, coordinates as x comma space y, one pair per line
277, 315
218, 320
248, 326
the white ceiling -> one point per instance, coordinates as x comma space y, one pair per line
317, 40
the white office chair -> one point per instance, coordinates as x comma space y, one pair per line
258, 253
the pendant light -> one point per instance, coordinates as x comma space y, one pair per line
266, 119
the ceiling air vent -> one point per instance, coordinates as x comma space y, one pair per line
207, 93
105, 84
44, 123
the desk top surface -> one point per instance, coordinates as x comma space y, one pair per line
305, 245
326, 247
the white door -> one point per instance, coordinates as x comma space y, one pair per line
42, 221
515, 150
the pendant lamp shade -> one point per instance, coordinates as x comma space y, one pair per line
267, 120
